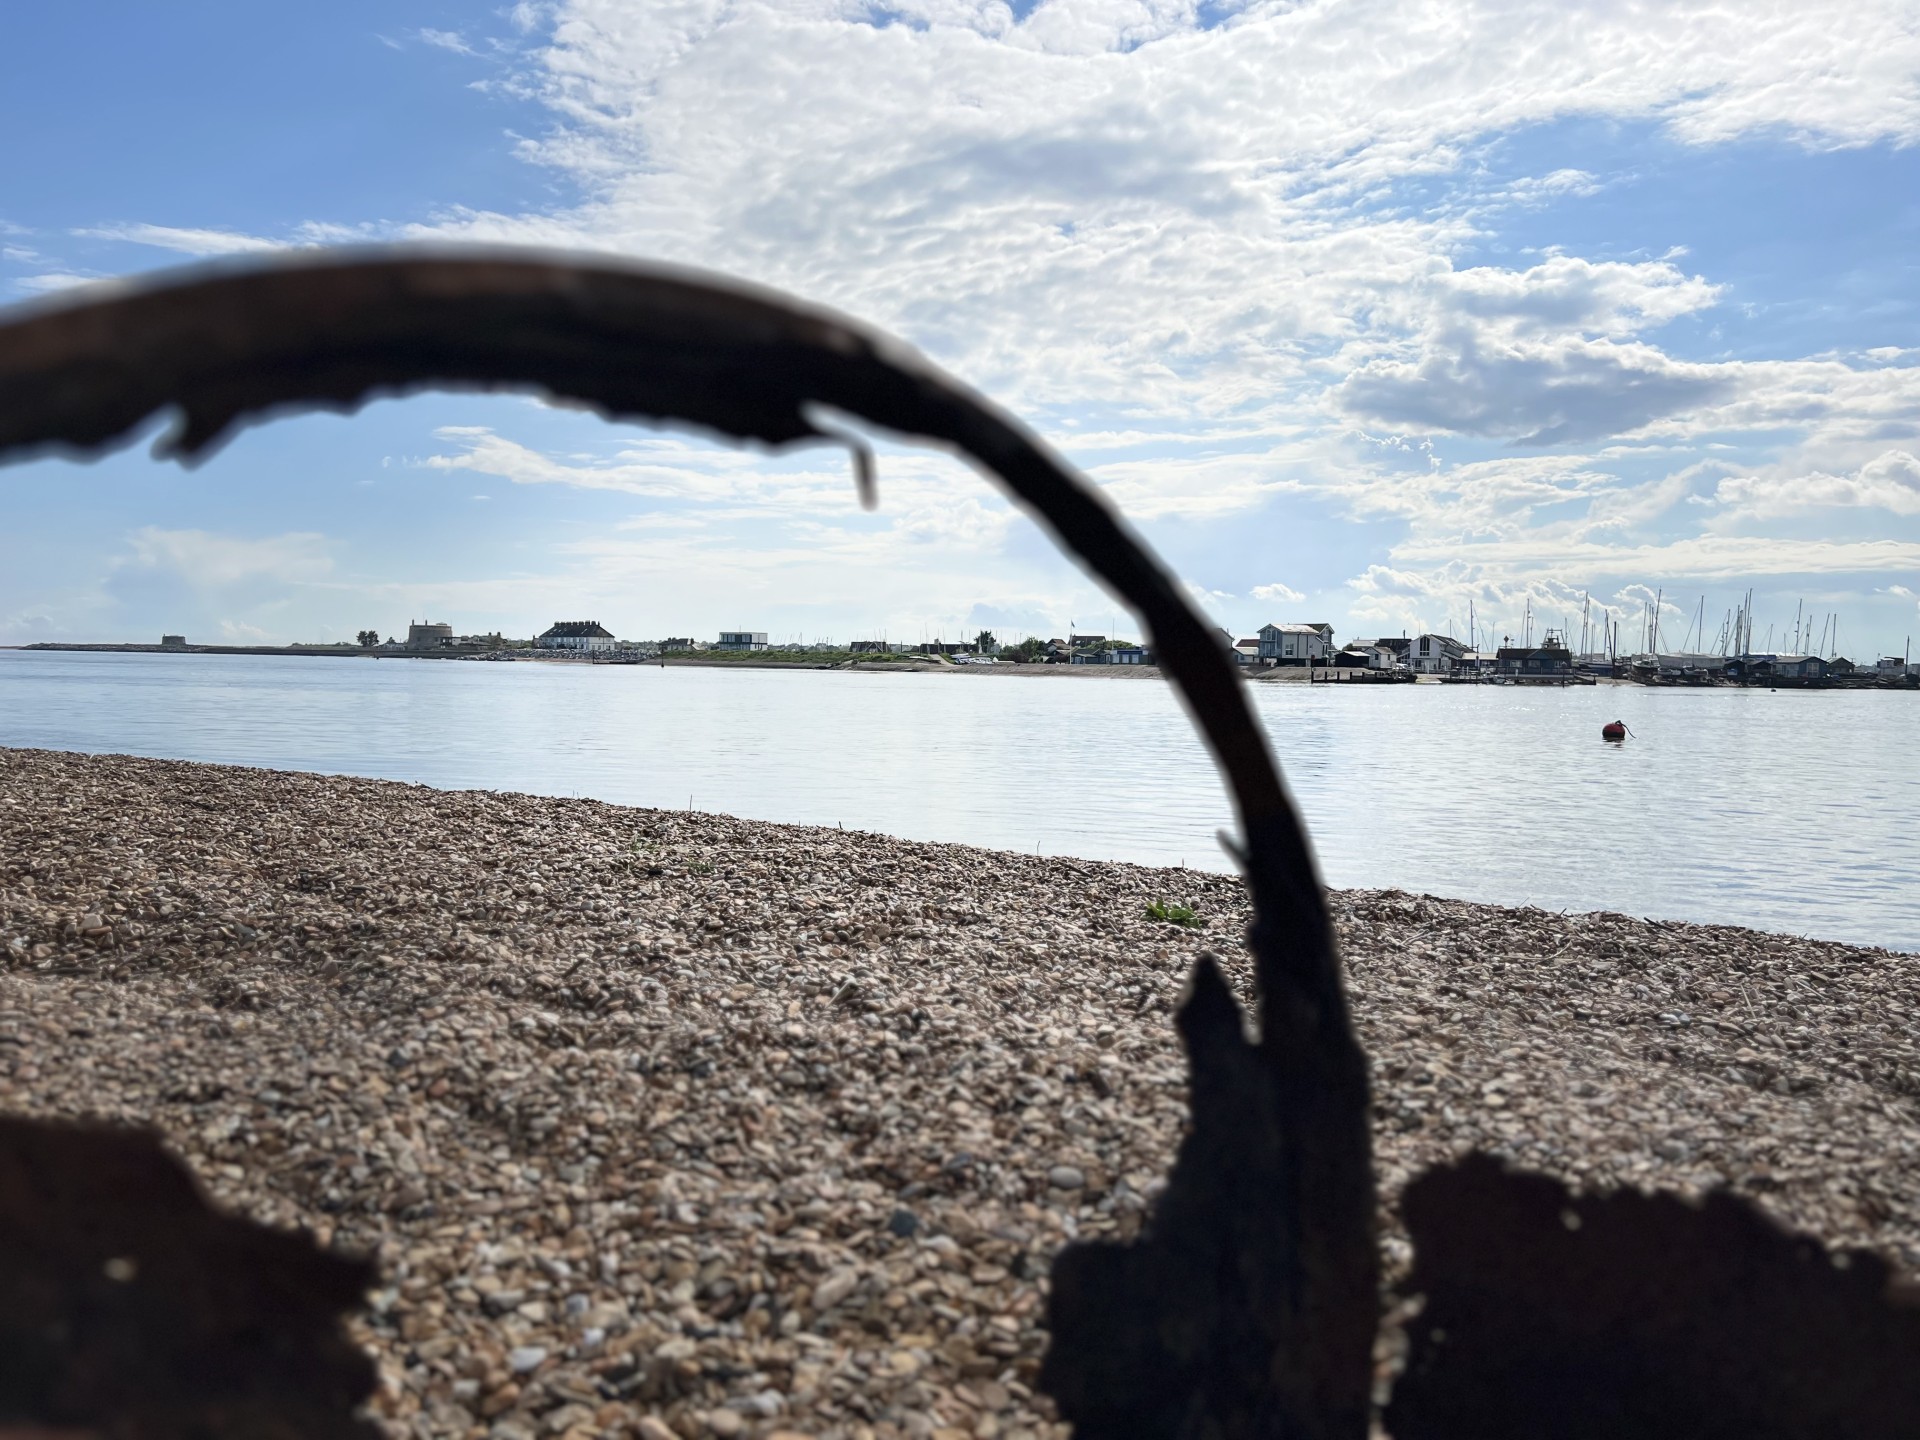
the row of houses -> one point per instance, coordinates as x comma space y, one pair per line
1312, 644
1273, 645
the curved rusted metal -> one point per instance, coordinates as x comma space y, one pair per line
1271, 1206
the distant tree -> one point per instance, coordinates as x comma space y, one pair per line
368, 639
1031, 648
984, 642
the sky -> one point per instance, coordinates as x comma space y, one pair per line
1401, 317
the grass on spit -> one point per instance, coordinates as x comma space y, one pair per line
1171, 913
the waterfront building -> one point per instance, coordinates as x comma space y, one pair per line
742, 640
1247, 651
173, 642
1779, 667
578, 635
1296, 644
1364, 657
428, 635
1700, 666
1434, 654
1551, 661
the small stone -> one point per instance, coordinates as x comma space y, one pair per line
726, 1424
523, 1359
558, 1422
835, 1287
903, 1223
767, 1404
651, 1427
1067, 1177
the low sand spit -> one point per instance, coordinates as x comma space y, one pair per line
671, 1124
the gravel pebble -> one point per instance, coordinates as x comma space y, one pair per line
646, 1094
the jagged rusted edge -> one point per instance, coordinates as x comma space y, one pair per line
239, 341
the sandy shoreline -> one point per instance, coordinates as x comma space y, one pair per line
674, 1124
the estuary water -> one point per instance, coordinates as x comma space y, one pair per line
1791, 811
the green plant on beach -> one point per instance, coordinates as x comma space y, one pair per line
1171, 913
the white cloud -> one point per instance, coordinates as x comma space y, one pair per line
1278, 593
1566, 293
1722, 559
185, 241
1568, 390
1890, 481
53, 280
447, 40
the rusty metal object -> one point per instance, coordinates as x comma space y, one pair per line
1272, 1197
1551, 1316
131, 1309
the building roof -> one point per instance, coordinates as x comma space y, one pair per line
1293, 629
576, 630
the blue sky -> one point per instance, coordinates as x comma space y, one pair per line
1369, 313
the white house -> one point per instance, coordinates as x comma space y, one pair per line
1296, 644
1434, 654
742, 640
586, 635
1247, 651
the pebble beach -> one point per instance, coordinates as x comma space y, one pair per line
669, 1124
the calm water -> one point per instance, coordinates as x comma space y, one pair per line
1788, 811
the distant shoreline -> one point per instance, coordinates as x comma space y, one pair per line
687, 661
1278, 675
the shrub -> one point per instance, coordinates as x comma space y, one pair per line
1171, 913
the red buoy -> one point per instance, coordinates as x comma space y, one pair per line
1613, 730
